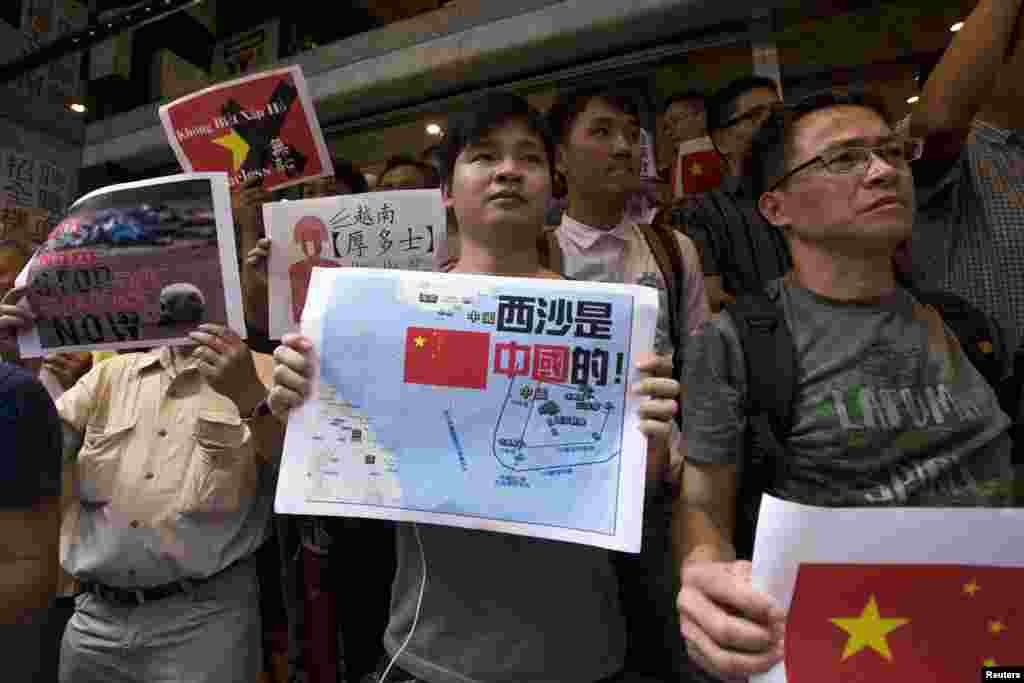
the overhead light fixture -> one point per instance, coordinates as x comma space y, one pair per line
957, 26
77, 107
913, 99
433, 129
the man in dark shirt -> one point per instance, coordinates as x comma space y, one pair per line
30, 488
739, 250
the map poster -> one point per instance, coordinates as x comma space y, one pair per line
258, 126
480, 402
135, 265
396, 229
892, 593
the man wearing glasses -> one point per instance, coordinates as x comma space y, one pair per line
739, 251
888, 408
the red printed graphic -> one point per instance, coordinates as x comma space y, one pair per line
888, 623
551, 364
446, 358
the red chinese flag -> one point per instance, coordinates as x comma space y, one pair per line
447, 358
702, 171
899, 623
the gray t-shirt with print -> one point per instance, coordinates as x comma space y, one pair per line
887, 409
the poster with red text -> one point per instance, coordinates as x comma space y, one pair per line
259, 126
135, 265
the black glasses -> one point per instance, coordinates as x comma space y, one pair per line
898, 153
759, 113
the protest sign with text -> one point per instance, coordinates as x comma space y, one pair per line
398, 229
480, 402
135, 265
258, 126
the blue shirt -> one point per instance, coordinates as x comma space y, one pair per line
30, 440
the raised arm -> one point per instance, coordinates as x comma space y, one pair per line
965, 77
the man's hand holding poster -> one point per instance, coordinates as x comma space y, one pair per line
479, 402
397, 229
134, 265
261, 125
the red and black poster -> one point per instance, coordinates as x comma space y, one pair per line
261, 125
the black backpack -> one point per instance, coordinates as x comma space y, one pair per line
770, 360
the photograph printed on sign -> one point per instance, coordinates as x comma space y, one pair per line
134, 265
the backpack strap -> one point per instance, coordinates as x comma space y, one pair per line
664, 246
770, 363
978, 336
549, 250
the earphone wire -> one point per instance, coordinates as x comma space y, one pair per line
419, 603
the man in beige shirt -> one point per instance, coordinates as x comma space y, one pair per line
173, 499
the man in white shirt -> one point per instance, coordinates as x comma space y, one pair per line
598, 151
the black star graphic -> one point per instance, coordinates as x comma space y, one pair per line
259, 133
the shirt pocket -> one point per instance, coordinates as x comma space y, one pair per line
99, 460
222, 475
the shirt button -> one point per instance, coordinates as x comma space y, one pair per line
161, 432
135, 524
149, 475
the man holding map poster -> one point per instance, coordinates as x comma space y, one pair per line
472, 605
888, 409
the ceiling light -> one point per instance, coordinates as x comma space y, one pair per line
913, 99
433, 129
77, 107
957, 26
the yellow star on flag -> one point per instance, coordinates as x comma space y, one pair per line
868, 630
996, 627
239, 148
971, 588
989, 663
420, 342
696, 169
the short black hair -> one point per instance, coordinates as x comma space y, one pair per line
685, 96
773, 142
480, 117
349, 173
721, 106
570, 104
429, 174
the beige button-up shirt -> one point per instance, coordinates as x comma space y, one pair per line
168, 482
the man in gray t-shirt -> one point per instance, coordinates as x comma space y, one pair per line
887, 408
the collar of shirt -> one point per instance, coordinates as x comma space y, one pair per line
585, 236
162, 357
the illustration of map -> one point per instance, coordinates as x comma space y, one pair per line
472, 407
543, 426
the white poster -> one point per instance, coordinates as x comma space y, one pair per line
492, 403
893, 594
396, 229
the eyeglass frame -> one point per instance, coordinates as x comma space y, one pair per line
872, 152
762, 109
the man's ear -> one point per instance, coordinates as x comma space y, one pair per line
772, 206
446, 195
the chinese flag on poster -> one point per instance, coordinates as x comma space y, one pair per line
261, 125
698, 168
447, 358
896, 623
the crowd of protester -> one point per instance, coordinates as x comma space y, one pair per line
150, 474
